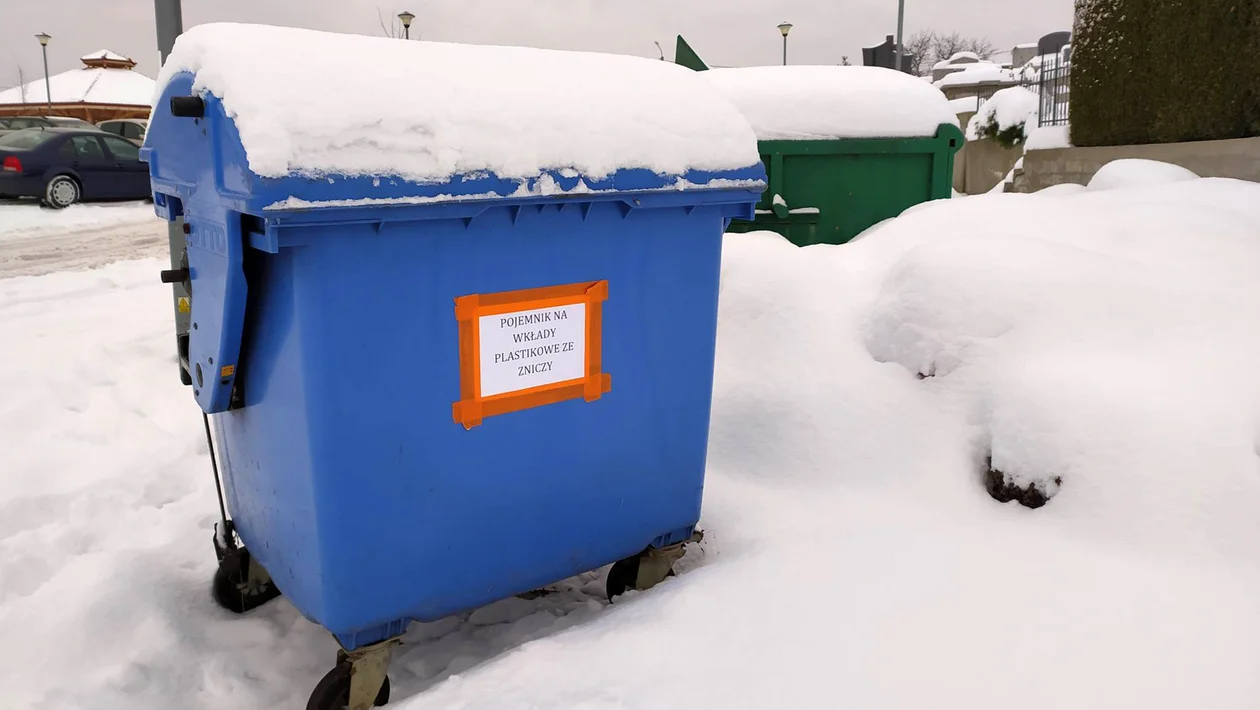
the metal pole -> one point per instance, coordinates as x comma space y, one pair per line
901, 24
406, 32
170, 24
47, 83
785, 50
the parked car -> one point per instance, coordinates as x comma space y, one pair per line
10, 124
133, 129
62, 166
67, 122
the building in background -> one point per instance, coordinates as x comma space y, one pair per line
106, 87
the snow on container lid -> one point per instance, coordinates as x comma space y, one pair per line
315, 104
823, 102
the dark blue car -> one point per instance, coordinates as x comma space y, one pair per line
62, 166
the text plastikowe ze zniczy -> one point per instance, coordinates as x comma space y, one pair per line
532, 348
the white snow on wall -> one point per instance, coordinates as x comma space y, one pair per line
981, 73
311, 103
1049, 138
813, 102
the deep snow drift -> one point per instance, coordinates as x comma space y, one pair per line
852, 559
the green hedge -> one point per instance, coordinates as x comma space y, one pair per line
1165, 71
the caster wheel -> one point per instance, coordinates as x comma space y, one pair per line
333, 690
235, 589
624, 576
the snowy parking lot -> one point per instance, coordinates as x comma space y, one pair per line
36, 240
1099, 344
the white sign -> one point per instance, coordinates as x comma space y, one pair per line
527, 349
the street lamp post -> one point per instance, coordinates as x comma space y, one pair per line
43, 43
658, 48
785, 27
406, 18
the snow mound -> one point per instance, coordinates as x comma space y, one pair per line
1133, 172
818, 102
316, 103
1006, 109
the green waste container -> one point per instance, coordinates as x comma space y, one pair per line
844, 147
830, 191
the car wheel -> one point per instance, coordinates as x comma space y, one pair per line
61, 192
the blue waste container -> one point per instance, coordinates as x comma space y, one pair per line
428, 397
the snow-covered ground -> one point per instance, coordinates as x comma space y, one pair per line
853, 558
35, 240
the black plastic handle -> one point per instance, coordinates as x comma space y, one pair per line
188, 106
174, 276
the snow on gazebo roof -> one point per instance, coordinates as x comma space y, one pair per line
104, 54
106, 78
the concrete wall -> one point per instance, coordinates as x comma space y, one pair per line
981, 165
1238, 158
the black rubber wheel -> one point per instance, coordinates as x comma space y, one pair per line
623, 576
232, 588
333, 690
61, 192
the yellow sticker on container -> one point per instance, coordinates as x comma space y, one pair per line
227, 371
184, 307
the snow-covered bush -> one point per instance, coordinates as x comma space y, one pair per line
1005, 117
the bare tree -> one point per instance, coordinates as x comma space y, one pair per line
919, 50
953, 43
394, 29
844, 61
927, 47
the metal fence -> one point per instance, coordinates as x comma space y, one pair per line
1051, 81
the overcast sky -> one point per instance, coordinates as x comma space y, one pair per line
725, 32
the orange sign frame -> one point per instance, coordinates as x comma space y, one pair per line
472, 408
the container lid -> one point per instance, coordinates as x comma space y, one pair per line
826, 102
316, 104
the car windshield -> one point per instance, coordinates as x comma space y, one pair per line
28, 138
